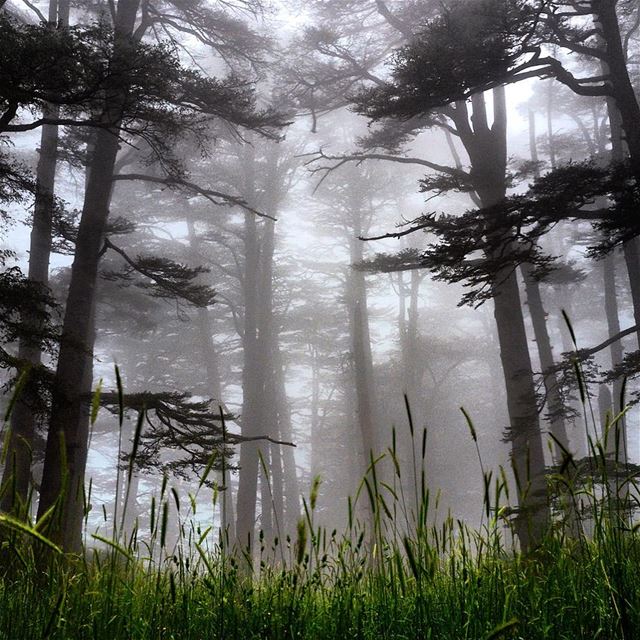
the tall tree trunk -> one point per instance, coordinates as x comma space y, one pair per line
14, 488
487, 149
361, 354
66, 450
258, 343
624, 120
213, 389
555, 405
408, 443
543, 342
550, 137
618, 77
613, 323
290, 475
271, 481
251, 392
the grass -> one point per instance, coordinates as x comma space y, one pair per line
567, 589
402, 577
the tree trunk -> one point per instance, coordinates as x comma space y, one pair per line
624, 119
361, 354
66, 450
618, 77
14, 488
213, 389
290, 474
551, 384
408, 443
251, 392
613, 320
260, 343
539, 320
487, 149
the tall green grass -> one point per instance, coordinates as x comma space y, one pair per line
405, 574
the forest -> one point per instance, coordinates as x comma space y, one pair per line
319, 319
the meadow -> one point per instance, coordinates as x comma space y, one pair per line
402, 578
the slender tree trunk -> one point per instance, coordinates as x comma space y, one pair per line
550, 137
624, 120
66, 450
290, 474
14, 488
316, 436
266, 483
543, 342
278, 489
271, 482
555, 405
411, 382
487, 149
213, 389
251, 392
613, 321
258, 343
362, 357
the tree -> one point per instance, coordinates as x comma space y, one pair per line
485, 144
180, 95
23, 419
505, 43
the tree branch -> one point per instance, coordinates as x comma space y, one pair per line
360, 157
585, 353
209, 194
394, 21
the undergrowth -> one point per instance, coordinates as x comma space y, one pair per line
404, 575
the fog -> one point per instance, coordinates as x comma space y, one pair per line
281, 256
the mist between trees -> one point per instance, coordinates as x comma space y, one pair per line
248, 246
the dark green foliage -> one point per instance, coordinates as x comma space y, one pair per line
163, 278
43, 65
76, 68
15, 181
20, 298
457, 54
475, 246
175, 422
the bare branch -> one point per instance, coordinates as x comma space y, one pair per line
37, 11
394, 21
361, 157
585, 353
216, 197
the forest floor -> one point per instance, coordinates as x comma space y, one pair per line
444, 584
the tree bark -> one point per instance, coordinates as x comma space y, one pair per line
361, 354
551, 384
290, 475
251, 392
487, 149
613, 320
66, 450
624, 120
619, 81
541, 332
14, 488
260, 342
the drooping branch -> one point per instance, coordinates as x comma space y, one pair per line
216, 197
341, 160
170, 278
